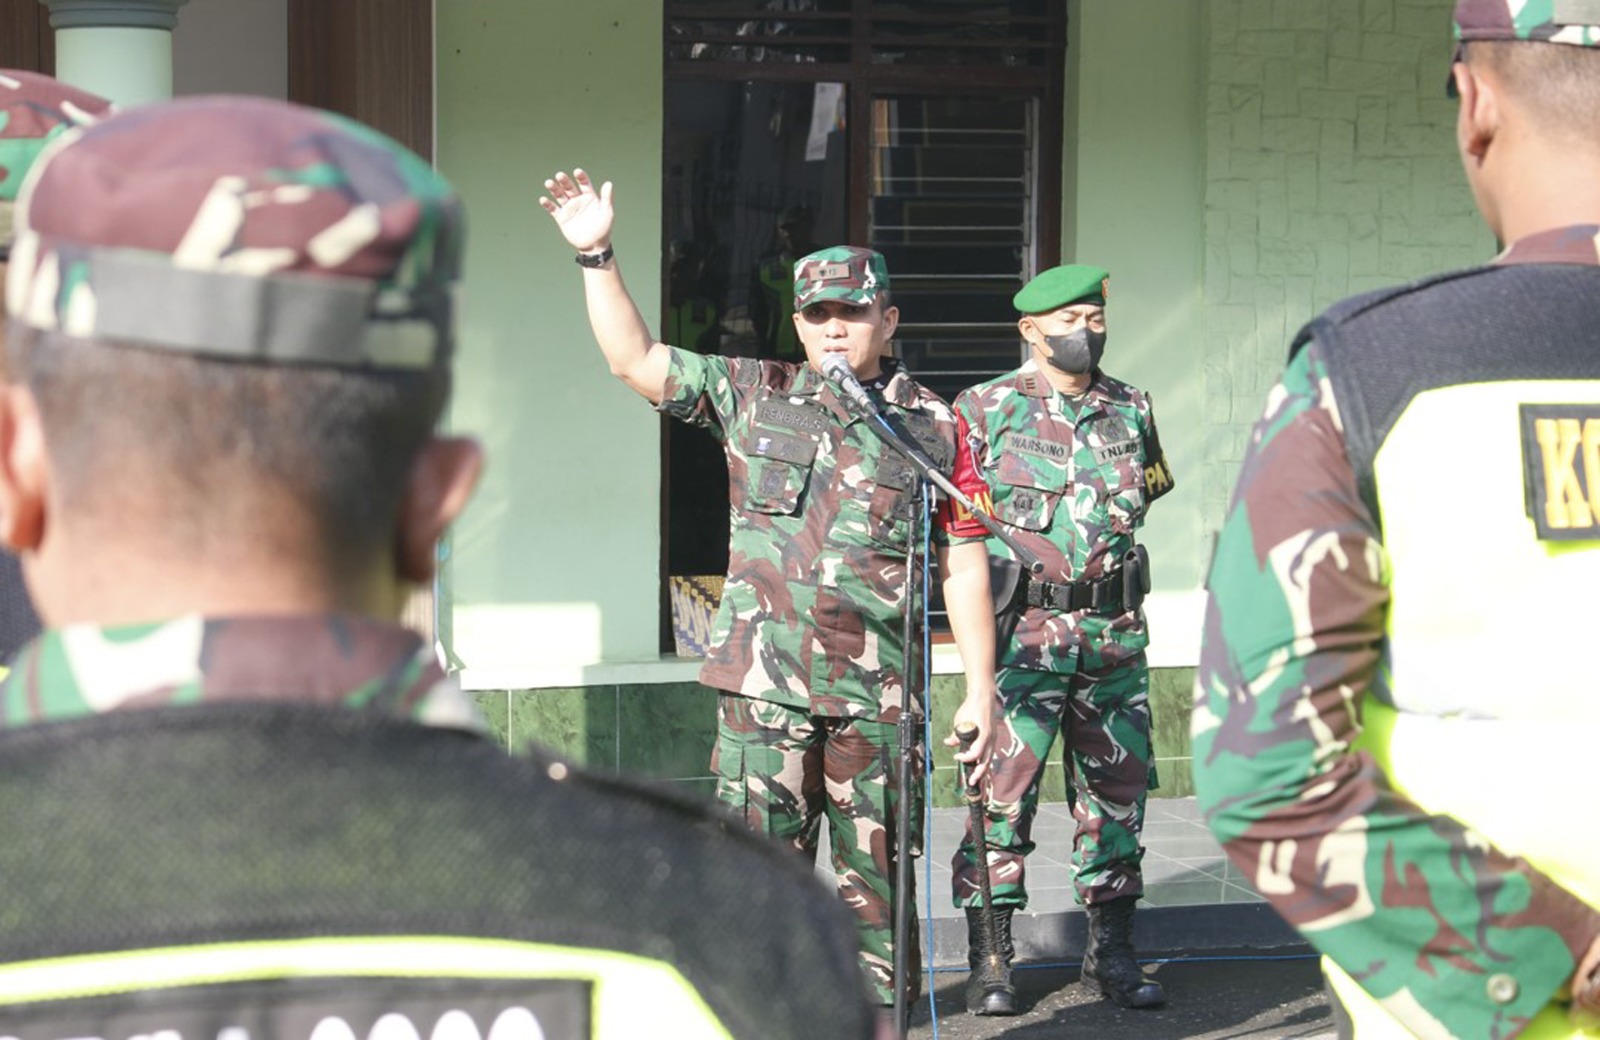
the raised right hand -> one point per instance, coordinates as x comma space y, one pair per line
584, 215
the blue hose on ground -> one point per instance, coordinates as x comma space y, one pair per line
927, 768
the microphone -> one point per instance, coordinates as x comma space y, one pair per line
837, 371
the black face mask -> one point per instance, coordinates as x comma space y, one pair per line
1077, 352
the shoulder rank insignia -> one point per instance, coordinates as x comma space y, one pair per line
1561, 469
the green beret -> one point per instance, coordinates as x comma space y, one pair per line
1059, 286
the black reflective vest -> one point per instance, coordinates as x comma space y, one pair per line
269, 871
1470, 404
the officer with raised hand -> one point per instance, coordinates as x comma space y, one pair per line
239, 796
808, 650
1072, 459
1395, 713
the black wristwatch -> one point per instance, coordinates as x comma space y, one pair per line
593, 259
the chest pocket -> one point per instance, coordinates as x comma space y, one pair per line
889, 515
780, 467
1029, 485
1117, 478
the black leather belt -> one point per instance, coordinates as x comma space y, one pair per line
1102, 594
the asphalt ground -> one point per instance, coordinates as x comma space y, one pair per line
1238, 995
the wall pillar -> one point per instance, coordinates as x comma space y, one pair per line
119, 49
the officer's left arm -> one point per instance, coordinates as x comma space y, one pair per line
1417, 908
964, 569
969, 603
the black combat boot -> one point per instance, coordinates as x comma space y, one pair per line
989, 988
1109, 964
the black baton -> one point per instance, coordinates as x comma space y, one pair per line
966, 733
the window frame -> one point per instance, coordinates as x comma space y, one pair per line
866, 80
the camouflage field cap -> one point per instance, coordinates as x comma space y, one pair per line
840, 273
241, 228
34, 110
1551, 21
1059, 286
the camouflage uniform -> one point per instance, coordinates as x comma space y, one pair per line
807, 647
1364, 671
260, 786
1071, 479
338, 660
34, 110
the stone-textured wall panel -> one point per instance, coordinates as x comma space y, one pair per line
1330, 170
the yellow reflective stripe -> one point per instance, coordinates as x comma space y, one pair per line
633, 995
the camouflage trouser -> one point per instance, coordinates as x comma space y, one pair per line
1107, 756
781, 768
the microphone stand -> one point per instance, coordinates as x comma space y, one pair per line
929, 470
906, 731
836, 370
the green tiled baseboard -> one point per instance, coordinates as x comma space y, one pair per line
666, 731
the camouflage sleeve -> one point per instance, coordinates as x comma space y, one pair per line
954, 519
1417, 908
702, 389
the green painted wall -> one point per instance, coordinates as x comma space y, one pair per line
556, 562
1133, 182
1330, 169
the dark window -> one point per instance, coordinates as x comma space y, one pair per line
929, 130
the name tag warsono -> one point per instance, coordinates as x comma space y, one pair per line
791, 416
1037, 447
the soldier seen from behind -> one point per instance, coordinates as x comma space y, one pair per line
238, 795
1396, 708
808, 652
1072, 459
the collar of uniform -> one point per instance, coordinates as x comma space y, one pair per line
900, 390
336, 659
1576, 244
808, 382
1032, 382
